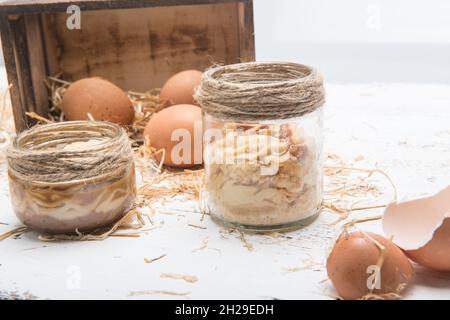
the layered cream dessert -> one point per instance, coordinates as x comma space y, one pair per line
97, 189
75, 206
263, 175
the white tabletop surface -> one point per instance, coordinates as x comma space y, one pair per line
403, 129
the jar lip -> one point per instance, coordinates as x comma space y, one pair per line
288, 71
39, 154
114, 130
260, 90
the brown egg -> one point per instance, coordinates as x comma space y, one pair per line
436, 253
177, 130
179, 89
352, 263
102, 99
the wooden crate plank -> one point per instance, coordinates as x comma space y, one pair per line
37, 63
51, 45
27, 6
23, 96
140, 48
12, 73
18, 29
246, 31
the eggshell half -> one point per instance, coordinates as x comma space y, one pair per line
102, 99
349, 265
179, 89
422, 228
412, 223
436, 253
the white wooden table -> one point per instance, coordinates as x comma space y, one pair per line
402, 128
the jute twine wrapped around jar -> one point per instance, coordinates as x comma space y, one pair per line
67, 151
260, 91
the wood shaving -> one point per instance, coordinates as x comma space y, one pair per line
14, 232
306, 264
245, 241
148, 260
57, 87
5, 113
34, 248
37, 117
176, 276
153, 292
357, 221
14, 295
125, 235
203, 245
272, 234
224, 233
346, 186
6, 123
165, 185
385, 296
196, 226
90, 116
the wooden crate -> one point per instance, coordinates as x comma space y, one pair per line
137, 44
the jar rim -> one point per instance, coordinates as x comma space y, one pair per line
287, 71
114, 129
260, 90
34, 155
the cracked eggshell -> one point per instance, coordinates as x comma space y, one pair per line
422, 229
353, 261
436, 253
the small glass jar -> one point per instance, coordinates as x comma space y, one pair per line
262, 173
72, 202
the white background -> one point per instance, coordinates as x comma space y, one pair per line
359, 40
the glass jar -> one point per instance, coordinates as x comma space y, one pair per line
96, 188
263, 170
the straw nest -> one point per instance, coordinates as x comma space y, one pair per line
145, 105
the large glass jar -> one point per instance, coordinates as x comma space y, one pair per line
83, 177
263, 169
